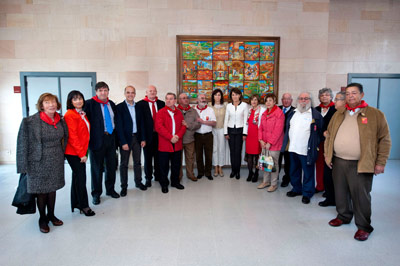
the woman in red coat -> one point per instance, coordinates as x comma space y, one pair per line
270, 134
76, 150
253, 148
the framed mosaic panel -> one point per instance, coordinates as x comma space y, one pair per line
206, 63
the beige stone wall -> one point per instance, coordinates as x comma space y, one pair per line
134, 42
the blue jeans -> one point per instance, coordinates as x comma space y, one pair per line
298, 163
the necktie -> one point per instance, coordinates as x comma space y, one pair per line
153, 110
284, 110
107, 117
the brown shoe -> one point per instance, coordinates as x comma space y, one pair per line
272, 188
194, 179
336, 222
361, 235
263, 185
43, 226
55, 221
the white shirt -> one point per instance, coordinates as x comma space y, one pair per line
207, 115
236, 117
173, 122
299, 132
151, 107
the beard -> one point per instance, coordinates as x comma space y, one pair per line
303, 108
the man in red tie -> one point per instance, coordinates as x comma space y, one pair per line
357, 146
149, 107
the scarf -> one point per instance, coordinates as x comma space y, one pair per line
327, 106
99, 101
169, 109
183, 108
201, 109
150, 101
363, 104
268, 112
48, 120
256, 115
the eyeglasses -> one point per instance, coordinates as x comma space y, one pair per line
336, 100
303, 99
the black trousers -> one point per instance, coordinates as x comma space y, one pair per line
151, 151
97, 158
175, 158
286, 168
328, 184
204, 144
79, 196
235, 146
135, 149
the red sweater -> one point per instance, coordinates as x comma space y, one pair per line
271, 129
78, 139
163, 126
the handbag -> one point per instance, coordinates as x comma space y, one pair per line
25, 202
266, 162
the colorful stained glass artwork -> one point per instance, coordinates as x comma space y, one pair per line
220, 70
236, 70
266, 86
189, 70
236, 84
251, 70
204, 85
236, 51
266, 70
204, 65
267, 51
251, 88
222, 85
221, 55
252, 50
204, 74
221, 46
197, 50
190, 88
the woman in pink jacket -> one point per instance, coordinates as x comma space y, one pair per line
270, 135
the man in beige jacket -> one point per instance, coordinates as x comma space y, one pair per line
357, 147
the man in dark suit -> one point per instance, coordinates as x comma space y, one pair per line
101, 113
287, 109
129, 139
148, 108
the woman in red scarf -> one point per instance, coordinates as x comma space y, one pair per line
40, 155
76, 151
327, 109
270, 135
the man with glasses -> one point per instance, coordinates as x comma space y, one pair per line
303, 133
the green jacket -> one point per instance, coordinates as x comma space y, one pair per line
374, 138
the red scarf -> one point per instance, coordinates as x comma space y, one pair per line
363, 104
327, 106
183, 108
150, 101
169, 109
272, 110
202, 109
99, 101
48, 120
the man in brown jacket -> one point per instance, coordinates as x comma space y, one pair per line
357, 147
192, 125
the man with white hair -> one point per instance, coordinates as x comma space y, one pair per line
303, 133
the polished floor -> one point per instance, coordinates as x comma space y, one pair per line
220, 222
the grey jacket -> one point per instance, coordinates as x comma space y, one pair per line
192, 125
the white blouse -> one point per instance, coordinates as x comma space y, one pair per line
236, 117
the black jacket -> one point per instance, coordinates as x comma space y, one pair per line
124, 124
146, 119
327, 117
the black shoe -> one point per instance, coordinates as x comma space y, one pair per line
141, 187
96, 200
292, 194
113, 194
88, 212
43, 225
305, 200
238, 176
326, 203
284, 184
164, 189
255, 177
123, 192
199, 176
148, 183
324, 194
250, 177
232, 175
178, 186
210, 177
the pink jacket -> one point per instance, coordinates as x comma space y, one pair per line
271, 129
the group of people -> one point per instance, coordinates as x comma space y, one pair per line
344, 141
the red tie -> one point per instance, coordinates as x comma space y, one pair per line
153, 109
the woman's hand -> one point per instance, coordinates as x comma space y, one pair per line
262, 144
244, 137
83, 159
267, 146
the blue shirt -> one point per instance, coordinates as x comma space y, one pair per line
132, 111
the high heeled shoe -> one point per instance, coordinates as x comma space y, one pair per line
55, 221
88, 212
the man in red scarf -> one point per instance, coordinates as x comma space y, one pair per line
170, 131
148, 108
357, 146
101, 113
